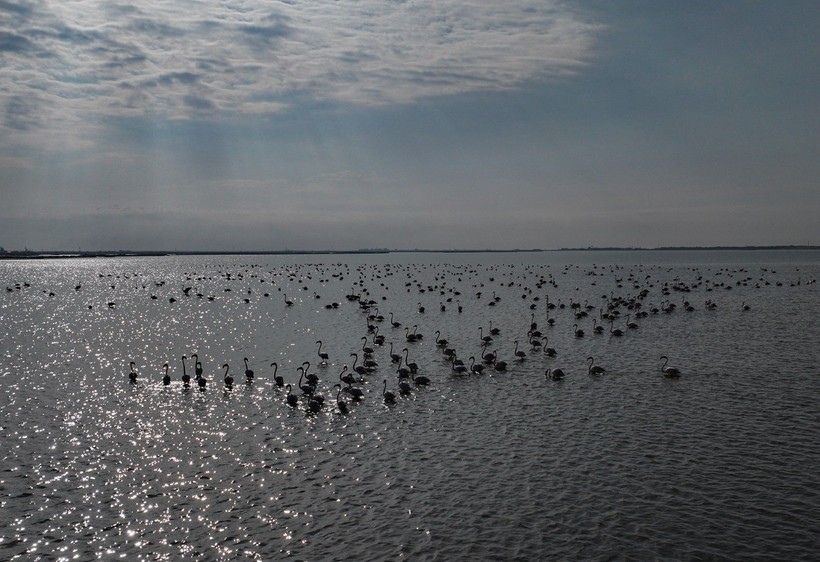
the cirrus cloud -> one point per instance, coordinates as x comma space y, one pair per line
69, 63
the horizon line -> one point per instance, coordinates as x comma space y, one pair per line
26, 253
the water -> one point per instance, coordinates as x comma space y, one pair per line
719, 463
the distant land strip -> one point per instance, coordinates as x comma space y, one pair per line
57, 254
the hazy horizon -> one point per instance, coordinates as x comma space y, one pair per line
459, 125
45, 252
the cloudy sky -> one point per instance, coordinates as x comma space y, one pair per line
257, 124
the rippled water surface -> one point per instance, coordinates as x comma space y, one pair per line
720, 462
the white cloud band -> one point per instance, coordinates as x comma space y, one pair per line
67, 61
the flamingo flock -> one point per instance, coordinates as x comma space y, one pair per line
521, 328
641, 290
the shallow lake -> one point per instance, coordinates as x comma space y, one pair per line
719, 462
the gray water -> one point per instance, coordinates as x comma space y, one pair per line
720, 463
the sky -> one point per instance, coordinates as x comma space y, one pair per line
339, 125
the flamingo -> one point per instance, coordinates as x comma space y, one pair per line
323, 356
389, 397
186, 378
358, 368
354, 392
314, 404
519, 354
293, 401
197, 365
412, 366
408, 336
593, 368
277, 379
476, 369
248, 371
305, 388
488, 358
671, 372
394, 357
402, 372
554, 374
132, 376
365, 348
166, 380
227, 377
378, 339
342, 405
404, 387
549, 351
394, 323
311, 377
499, 365
346, 378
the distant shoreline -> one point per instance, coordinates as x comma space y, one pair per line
31, 254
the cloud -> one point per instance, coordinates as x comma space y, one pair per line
22, 112
89, 60
198, 102
268, 32
13, 43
